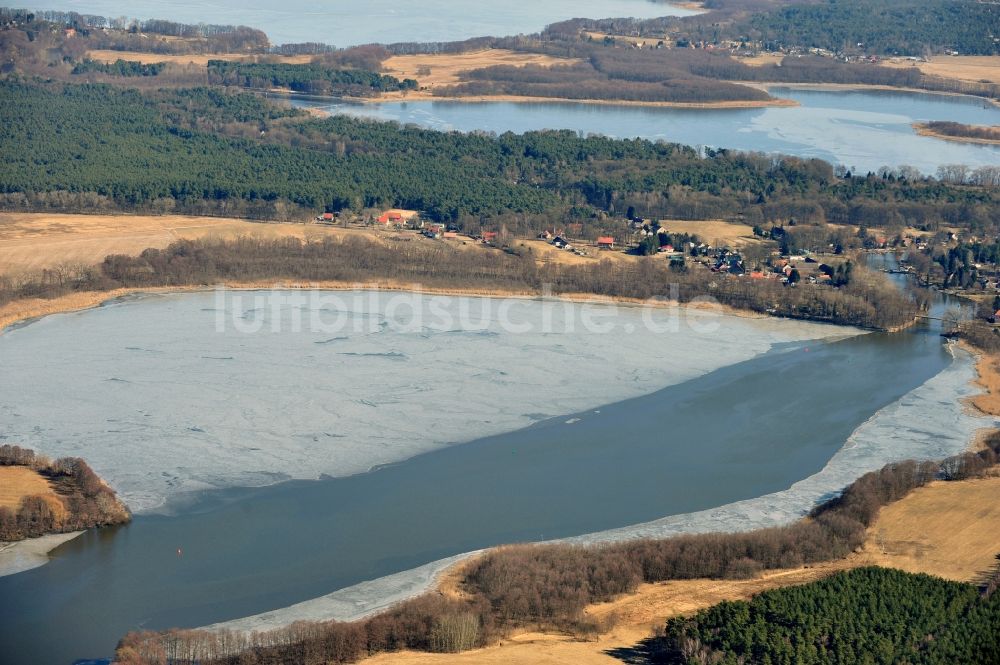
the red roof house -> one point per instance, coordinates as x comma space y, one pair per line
606, 242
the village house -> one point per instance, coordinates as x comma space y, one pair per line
606, 242
397, 217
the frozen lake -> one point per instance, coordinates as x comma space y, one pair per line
346, 23
227, 389
860, 129
190, 398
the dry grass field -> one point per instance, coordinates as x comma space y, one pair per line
30, 242
951, 530
763, 59
188, 59
17, 482
33, 241
988, 368
947, 529
434, 71
962, 67
716, 233
546, 252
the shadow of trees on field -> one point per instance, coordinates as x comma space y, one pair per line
641, 653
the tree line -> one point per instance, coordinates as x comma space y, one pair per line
83, 500
119, 67
959, 130
869, 300
549, 586
128, 34
312, 78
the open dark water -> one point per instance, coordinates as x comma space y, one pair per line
742, 431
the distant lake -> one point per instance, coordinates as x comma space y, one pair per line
861, 129
347, 23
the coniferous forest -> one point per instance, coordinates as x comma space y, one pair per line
870, 615
96, 147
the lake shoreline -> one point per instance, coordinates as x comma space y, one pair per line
923, 129
24, 555
868, 448
862, 87
19, 313
776, 102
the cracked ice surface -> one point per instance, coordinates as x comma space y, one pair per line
930, 422
165, 395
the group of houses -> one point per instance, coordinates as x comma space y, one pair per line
559, 241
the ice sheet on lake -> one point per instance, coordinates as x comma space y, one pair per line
351, 603
165, 395
930, 422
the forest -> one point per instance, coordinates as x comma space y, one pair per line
883, 27
548, 586
313, 79
125, 34
202, 151
869, 615
878, 27
84, 500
